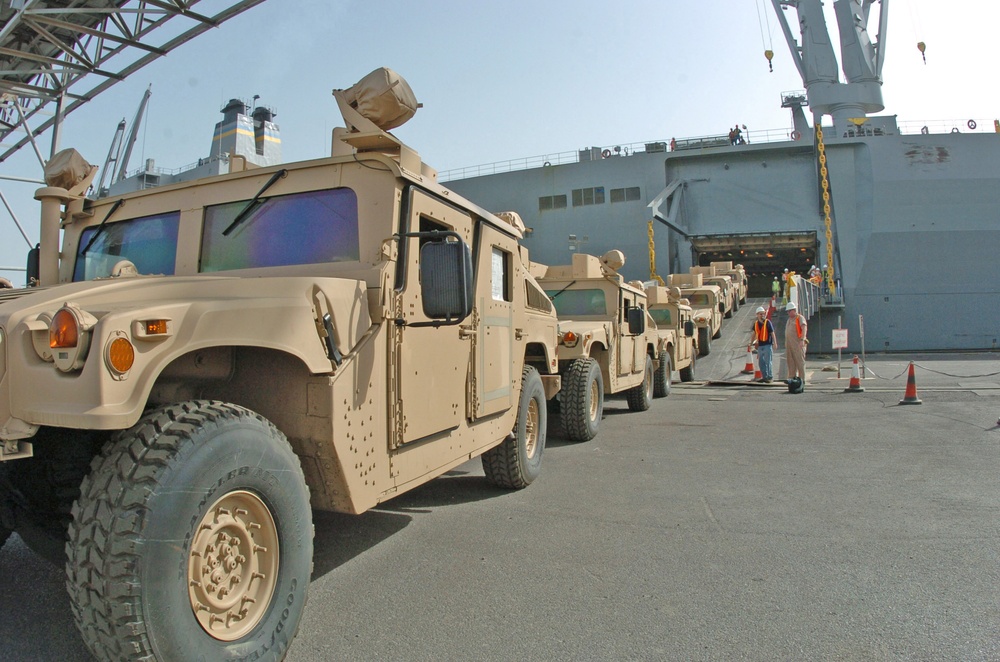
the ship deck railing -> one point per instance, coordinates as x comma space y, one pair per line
714, 141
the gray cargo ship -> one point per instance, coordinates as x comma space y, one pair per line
913, 224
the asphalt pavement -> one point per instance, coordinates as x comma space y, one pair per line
732, 521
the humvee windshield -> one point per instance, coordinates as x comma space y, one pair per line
698, 299
150, 243
661, 316
302, 228
578, 302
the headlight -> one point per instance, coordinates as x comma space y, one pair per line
69, 337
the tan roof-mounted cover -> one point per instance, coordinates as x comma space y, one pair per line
66, 169
384, 97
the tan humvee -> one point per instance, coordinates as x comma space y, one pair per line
739, 276
607, 341
730, 297
706, 304
675, 325
215, 358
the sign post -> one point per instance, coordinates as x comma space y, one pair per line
839, 342
861, 325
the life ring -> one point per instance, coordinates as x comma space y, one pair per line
547, 164
954, 129
971, 124
924, 130
796, 135
606, 153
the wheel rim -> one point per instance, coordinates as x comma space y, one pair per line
649, 381
531, 428
594, 395
233, 565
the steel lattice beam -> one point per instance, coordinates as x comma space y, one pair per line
63, 53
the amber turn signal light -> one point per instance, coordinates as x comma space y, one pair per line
121, 355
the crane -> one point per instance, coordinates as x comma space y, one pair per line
816, 61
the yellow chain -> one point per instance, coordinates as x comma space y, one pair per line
652, 257
826, 208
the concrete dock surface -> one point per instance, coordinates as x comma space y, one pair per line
731, 521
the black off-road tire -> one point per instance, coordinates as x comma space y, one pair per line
704, 340
205, 477
687, 374
640, 398
729, 313
41, 490
517, 462
581, 400
718, 333
661, 378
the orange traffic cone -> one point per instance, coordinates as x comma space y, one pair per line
855, 385
757, 375
748, 368
910, 397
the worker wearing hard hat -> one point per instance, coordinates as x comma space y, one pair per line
795, 343
764, 341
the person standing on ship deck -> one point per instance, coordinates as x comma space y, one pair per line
795, 343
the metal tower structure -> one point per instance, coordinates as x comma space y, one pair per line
56, 55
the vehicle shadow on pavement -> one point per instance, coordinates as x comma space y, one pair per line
456, 486
339, 537
37, 622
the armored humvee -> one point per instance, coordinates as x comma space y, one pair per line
675, 325
706, 304
205, 363
607, 341
739, 276
730, 294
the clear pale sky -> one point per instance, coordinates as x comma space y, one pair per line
513, 79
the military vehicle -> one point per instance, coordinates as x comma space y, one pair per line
675, 325
204, 363
739, 276
730, 296
607, 341
707, 306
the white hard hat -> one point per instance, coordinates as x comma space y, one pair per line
791, 306
786, 268
760, 309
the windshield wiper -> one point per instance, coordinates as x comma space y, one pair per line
553, 297
250, 206
100, 228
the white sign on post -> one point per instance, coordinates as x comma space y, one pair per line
839, 338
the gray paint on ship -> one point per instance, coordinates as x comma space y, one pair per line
917, 223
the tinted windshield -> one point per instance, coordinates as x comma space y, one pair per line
578, 302
662, 316
698, 299
149, 242
302, 228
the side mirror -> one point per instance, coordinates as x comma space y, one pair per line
636, 321
32, 275
689, 329
446, 280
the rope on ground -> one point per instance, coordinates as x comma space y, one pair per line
923, 367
